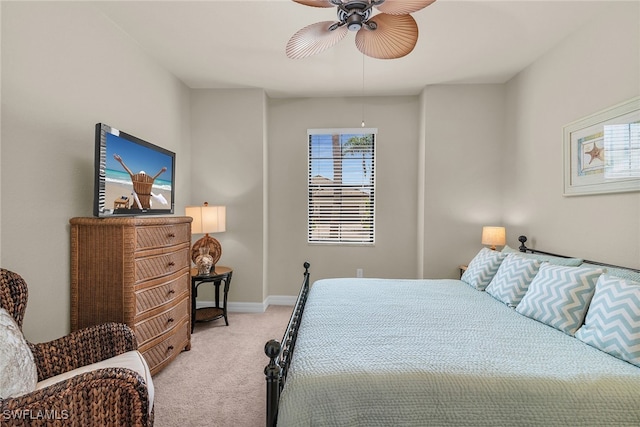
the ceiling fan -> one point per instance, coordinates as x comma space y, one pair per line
387, 35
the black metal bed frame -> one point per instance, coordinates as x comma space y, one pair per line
280, 354
524, 248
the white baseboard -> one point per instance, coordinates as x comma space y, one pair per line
281, 300
253, 307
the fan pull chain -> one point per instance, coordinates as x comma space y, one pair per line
362, 90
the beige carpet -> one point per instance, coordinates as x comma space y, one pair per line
220, 381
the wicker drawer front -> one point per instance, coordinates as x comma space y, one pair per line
172, 343
163, 322
162, 236
150, 298
161, 265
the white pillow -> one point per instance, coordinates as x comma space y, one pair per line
551, 259
18, 372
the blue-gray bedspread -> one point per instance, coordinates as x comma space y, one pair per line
375, 352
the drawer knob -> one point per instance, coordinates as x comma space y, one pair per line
172, 234
170, 348
170, 320
171, 263
171, 291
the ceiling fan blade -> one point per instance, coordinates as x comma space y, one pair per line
314, 39
395, 37
315, 3
402, 7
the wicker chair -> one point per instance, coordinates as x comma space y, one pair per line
100, 397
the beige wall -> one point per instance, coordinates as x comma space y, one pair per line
0, 150
65, 68
228, 168
396, 168
593, 69
462, 155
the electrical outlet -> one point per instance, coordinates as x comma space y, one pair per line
359, 272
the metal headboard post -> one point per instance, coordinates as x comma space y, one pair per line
524, 248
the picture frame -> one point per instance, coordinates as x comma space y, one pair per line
602, 151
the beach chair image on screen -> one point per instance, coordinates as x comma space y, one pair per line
142, 184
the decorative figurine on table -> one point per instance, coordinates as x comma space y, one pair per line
204, 261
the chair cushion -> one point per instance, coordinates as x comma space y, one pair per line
131, 360
18, 372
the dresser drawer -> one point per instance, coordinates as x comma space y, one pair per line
159, 324
162, 236
165, 350
163, 293
161, 265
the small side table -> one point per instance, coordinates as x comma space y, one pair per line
463, 268
217, 276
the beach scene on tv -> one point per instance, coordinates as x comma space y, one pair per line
137, 178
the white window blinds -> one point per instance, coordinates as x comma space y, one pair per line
341, 186
622, 151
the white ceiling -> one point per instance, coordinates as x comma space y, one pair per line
241, 44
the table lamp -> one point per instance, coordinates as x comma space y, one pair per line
206, 219
493, 236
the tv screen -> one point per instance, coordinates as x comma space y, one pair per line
132, 176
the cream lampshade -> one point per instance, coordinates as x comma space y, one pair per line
207, 219
493, 236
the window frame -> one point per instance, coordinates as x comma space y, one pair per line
340, 229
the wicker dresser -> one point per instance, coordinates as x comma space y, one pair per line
134, 270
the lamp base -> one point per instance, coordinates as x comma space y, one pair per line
215, 249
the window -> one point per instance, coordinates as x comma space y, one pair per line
341, 186
622, 150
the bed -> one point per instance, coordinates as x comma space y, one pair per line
490, 349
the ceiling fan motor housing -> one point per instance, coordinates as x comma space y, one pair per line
354, 22
354, 14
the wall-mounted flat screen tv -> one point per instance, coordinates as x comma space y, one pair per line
132, 176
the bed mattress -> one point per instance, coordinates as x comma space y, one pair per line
375, 352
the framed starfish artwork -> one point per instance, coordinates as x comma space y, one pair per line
602, 151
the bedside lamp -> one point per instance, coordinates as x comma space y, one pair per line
206, 219
493, 236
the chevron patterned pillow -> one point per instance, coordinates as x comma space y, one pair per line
512, 280
482, 268
613, 320
559, 296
